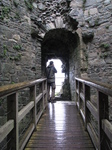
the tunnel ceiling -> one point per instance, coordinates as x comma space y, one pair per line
57, 43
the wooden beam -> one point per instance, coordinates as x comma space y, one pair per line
6, 129
86, 98
92, 135
38, 116
12, 108
33, 99
44, 92
82, 96
77, 105
26, 136
38, 98
82, 115
92, 109
107, 127
103, 113
25, 110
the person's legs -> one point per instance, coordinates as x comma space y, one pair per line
48, 91
53, 91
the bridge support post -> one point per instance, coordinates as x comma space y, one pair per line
76, 87
86, 97
12, 107
45, 84
33, 98
103, 111
79, 89
43, 94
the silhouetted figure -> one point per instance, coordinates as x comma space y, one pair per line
50, 73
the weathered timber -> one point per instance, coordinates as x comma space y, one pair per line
60, 128
99, 114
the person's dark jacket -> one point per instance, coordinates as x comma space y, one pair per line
50, 73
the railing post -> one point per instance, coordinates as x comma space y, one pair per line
103, 113
33, 98
12, 107
46, 92
79, 96
86, 97
43, 94
76, 88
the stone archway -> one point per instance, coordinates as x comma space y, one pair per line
58, 44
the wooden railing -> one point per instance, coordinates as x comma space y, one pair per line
10, 130
100, 111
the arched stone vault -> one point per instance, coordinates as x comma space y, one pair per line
57, 44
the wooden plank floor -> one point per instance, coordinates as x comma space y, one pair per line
60, 128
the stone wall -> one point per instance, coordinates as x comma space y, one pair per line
95, 29
94, 19
20, 54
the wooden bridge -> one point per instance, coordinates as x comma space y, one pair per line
84, 125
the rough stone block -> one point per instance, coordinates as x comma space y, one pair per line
99, 1
16, 37
75, 4
93, 11
100, 31
86, 12
50, 26
59, 22
106, 2
41, 6
110, 28
90, 3
34, 5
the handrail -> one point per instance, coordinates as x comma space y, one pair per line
102, 140
103, 87
11, 128
7, 89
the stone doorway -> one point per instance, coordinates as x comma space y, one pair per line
58, 44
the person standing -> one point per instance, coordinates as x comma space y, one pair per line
50, 73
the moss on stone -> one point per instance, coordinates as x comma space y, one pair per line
16, 58
17, 47
4, 12
29, 4
105, 45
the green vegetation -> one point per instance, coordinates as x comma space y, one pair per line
17, 16
104, 55
29, 4
4, 12
105, 45
5, 48
5, 52
16, 58
12, 82
84, 1
17, 47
